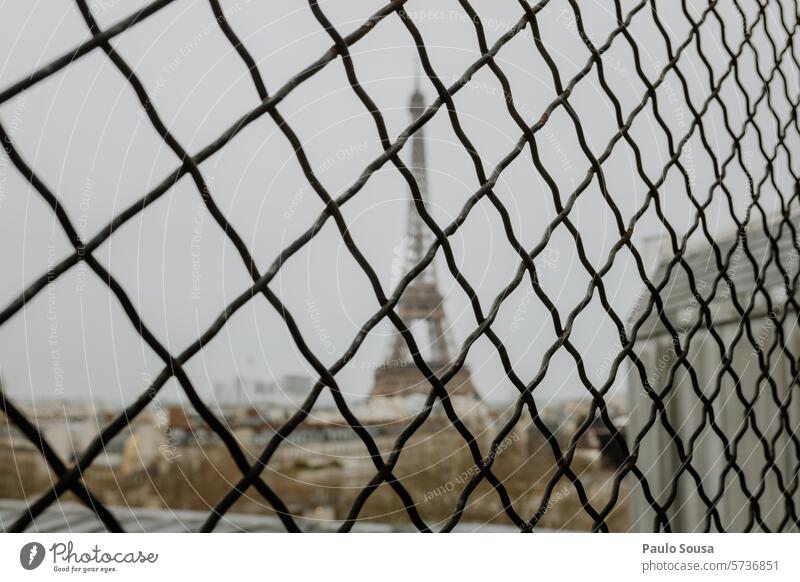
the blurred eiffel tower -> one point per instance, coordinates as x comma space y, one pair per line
421, 304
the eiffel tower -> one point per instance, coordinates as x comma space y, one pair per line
421, 304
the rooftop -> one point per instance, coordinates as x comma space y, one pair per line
680, 306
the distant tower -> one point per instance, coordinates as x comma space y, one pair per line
421, 304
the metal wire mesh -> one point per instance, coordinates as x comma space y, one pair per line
774, 80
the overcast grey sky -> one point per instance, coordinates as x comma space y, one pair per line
86, 135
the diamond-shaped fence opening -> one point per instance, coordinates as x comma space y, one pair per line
709, 350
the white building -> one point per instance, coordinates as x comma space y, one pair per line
286, 393
750, 466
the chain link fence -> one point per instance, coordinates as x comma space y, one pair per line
763, 474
